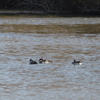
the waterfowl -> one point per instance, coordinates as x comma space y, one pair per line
41, 60
77, 62
32, 61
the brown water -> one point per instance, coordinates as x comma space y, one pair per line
55, 38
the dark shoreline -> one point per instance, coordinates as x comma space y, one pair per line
41, 13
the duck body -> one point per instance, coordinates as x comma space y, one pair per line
32, 62
76, 62
44, 61
41, 60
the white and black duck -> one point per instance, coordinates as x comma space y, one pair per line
41, 60
76, 62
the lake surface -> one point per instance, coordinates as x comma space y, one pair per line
58, 39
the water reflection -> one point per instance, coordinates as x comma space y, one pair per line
59, 43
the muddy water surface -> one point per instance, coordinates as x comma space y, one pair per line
55, 38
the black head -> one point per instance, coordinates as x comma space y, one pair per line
30, 60
74, 60
41, 59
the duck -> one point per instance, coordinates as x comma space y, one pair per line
41, 60
75, 62
32, 62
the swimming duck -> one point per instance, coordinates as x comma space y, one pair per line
77, 62
41, 60
32, 62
